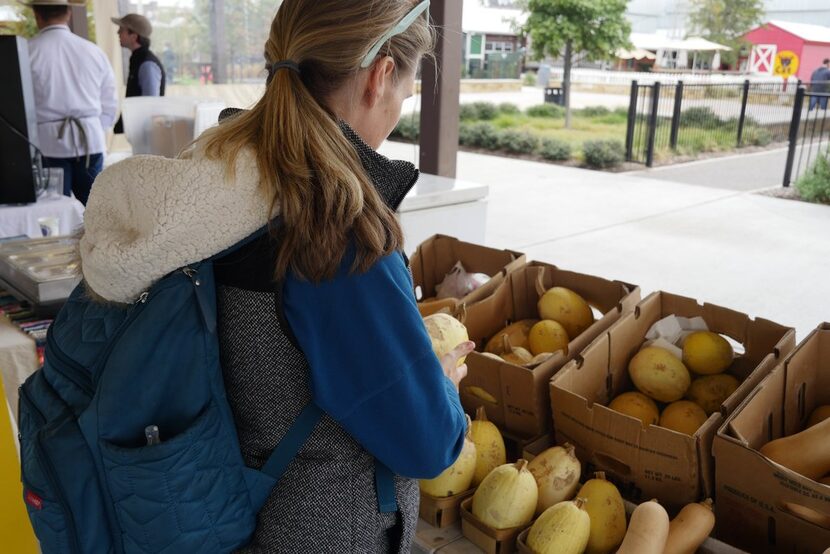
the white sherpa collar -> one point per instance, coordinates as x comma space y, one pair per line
148, 216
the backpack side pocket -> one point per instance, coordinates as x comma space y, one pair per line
186, 494
45, 501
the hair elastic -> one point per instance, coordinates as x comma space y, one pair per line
284, 64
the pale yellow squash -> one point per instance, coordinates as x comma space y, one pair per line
557, 472
446, 333
637, 404
490, 449
658, 373
605, 507
564, 528
566, 307
507, 497
458, 477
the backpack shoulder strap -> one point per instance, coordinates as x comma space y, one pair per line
293, 440
385, 488
290, 445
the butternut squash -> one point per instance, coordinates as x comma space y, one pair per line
607, 512
819, 414
647, 530
806, 453
807, 514
690, 528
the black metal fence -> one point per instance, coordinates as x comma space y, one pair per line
809, 134
691, 118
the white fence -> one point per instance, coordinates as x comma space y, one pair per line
601, 77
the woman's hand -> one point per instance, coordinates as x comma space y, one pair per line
450, 360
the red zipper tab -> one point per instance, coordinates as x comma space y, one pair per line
33, 500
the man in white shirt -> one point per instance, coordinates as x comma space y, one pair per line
75, 97
146, 76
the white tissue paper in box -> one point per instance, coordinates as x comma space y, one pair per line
671, 331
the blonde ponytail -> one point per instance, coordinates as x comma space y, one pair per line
310, 171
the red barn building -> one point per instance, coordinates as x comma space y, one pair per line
787, 49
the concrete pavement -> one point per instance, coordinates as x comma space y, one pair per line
743, 172
764, 256
748, 171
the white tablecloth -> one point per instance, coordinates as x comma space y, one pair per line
18, 360
23, 219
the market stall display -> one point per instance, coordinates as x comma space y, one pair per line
586, 403
639, 353
42, 271
510, 386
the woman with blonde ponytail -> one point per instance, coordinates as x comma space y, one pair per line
316, 315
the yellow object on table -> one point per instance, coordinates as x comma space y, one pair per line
15, 530
18, 360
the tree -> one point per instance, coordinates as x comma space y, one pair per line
725, 22
27, 27
596, 28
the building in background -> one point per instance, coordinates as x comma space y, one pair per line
787, 49
492, 45
670, 17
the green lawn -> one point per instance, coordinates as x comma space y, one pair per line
611, 126
596, 136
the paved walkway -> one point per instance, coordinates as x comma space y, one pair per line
742, 172
760, 255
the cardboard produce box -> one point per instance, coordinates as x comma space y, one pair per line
488, 539
516, 397
436, 256
754, 493
710, 546
516, 446
442, 512
654, 462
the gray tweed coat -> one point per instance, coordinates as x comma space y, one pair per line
326, 501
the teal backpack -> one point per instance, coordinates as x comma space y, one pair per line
127, 440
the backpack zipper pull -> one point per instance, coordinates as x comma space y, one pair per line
190, 272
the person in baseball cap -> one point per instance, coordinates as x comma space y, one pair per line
75, 98
146, 76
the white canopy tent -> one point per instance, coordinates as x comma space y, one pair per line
674, 53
